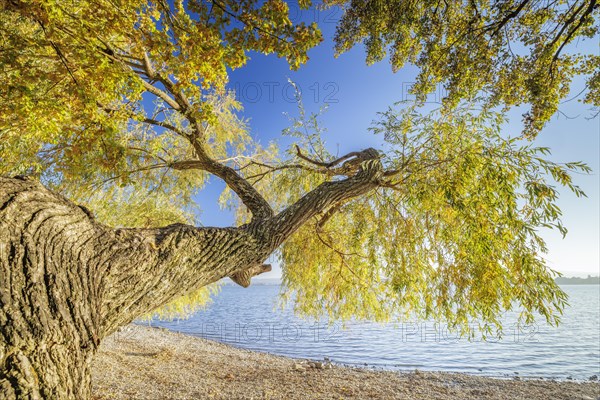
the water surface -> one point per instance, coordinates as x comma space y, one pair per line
249, 318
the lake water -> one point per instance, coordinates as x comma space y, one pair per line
249, 318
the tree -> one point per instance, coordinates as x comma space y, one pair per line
517, 52
443, 223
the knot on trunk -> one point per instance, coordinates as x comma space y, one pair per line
243, 278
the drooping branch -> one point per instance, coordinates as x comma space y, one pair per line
512, 14
163, 124
142, 118
592, 5
270, 169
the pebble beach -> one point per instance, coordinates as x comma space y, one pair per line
140, 362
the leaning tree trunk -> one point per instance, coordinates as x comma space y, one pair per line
66, 281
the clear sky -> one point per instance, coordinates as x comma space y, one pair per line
355, 93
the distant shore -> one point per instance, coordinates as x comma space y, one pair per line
590, 280
152, 363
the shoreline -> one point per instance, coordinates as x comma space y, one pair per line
390, 367
140, 362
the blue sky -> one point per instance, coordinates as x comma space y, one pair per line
355, 93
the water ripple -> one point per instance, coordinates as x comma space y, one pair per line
248, 318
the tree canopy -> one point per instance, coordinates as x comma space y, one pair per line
451, 231
516, 52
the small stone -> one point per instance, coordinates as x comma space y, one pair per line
569, 378
299, 367
593, 378
319, 365
311, 364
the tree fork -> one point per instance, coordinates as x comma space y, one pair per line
67, 281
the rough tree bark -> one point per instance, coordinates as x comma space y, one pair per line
66, 281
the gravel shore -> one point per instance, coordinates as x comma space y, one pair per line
151, 363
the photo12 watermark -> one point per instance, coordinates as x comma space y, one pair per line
273, 91
438, 332
255, 332
317, 13
434, 97
262, 332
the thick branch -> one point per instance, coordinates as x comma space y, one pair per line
147, 268
161, 94
130, 272
259, 207
250, 197
327, 195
